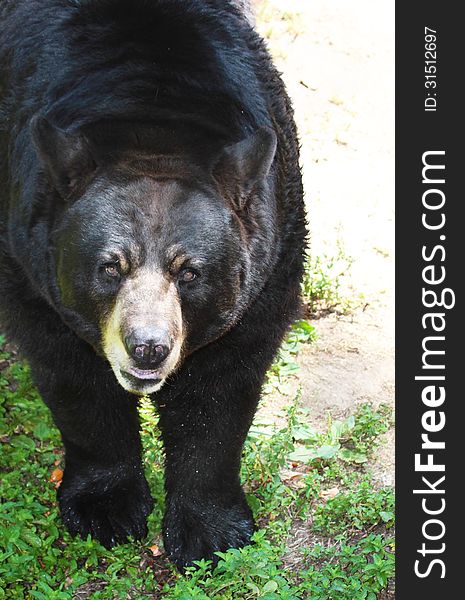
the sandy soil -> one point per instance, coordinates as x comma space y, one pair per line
337, 59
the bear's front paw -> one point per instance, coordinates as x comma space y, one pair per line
197, 529
111, 511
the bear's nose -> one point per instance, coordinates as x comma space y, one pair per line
148, 347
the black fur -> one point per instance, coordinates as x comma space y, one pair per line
97, 98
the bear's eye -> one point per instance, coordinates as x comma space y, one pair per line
112, 270
187, 275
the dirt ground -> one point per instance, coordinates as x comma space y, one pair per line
337, 59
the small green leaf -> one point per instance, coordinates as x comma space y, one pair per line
303, 433
270, 586
387, 516
326, 452
255, 589
304, 455
42, 431
22, 441
352, 456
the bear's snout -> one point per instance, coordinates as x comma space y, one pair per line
148, 346
143, 336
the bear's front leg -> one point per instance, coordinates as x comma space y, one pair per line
104, 492
204, 432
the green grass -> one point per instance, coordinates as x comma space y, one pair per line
362, 569
322, 283
285, 365
351, 440
351, 558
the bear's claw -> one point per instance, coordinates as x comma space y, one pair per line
111, 516
197, 531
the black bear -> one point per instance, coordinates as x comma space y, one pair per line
152, 238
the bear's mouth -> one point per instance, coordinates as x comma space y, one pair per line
142, 374
140, 381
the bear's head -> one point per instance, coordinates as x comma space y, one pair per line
153, 253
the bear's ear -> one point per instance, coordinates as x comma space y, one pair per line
242, 166
66, 157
